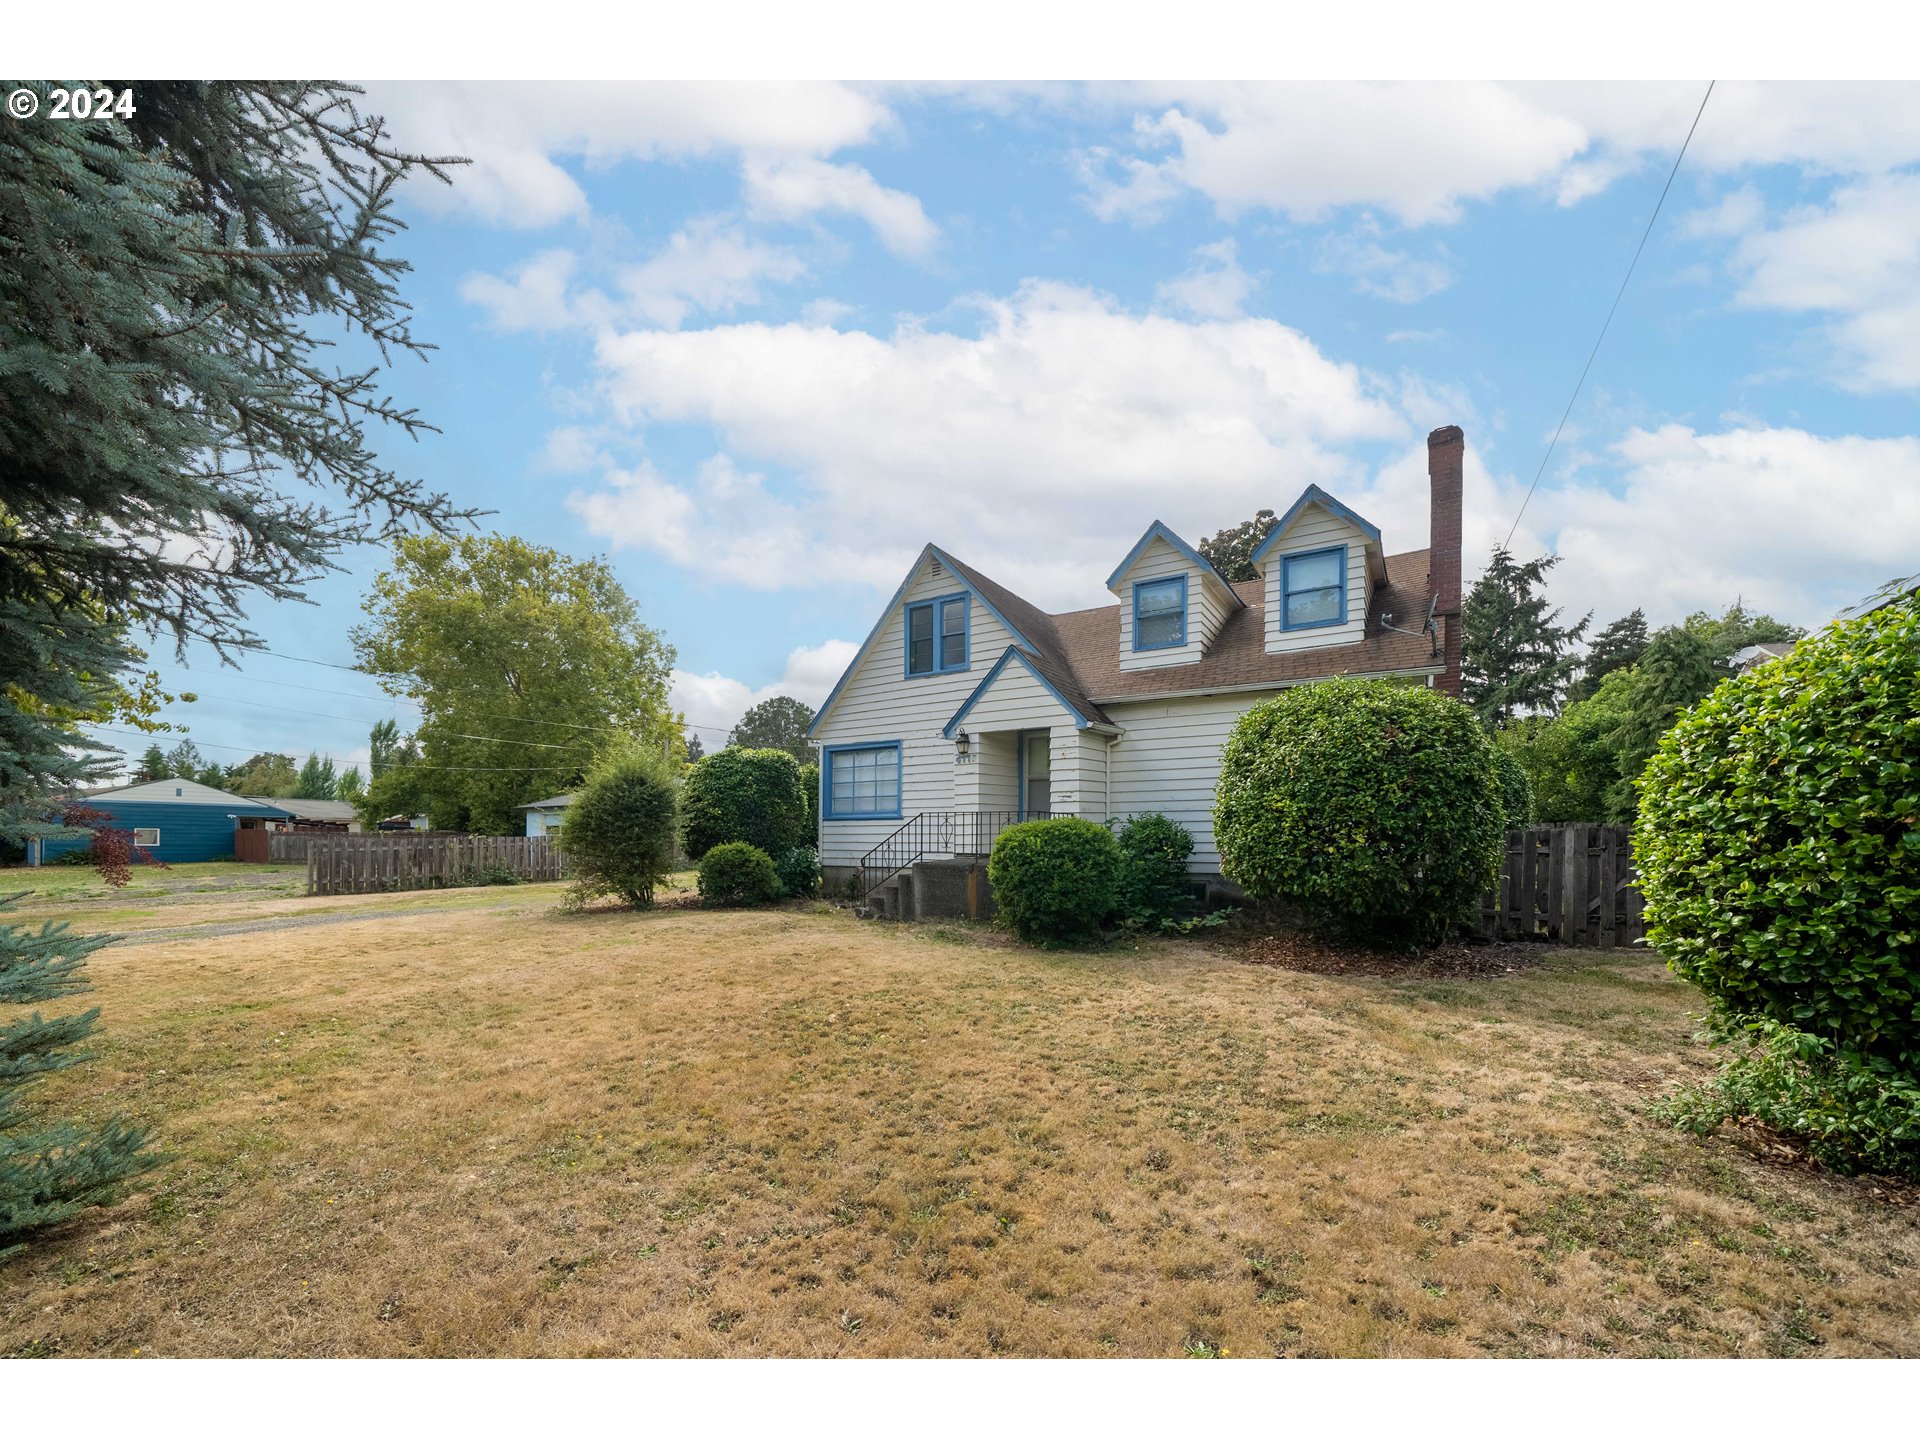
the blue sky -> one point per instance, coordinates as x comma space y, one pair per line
758, 343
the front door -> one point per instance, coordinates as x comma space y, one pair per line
1036, 774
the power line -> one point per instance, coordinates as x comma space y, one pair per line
407, 700
360, 720
1610, 309
391, 765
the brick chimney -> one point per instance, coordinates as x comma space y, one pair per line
1446, 460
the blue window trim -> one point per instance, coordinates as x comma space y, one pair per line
827, 754
1158, 531
1140, 585
937, 604
1314, 495
1286, 564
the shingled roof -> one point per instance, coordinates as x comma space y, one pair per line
1079, 652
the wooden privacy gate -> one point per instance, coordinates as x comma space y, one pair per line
358, 864
1573, 884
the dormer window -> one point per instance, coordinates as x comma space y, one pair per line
1313, 588
937, 636
1160, 613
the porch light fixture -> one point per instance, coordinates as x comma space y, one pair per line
962, 747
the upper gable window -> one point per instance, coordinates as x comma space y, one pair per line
1160, 613
937, 636
1313, 589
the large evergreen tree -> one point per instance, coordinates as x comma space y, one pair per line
1614, 648
526, 664
153, 765
779, 722
316, 779
1516, 657
176, 444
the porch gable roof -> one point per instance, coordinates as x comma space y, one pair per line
1084, 714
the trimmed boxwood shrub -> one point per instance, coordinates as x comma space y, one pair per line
799, 871
737, 873
1154, 886
1054, 879
1779, 839
1516, 790
1373, 807
755, 796
618, 833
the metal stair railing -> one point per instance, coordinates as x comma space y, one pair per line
937, 832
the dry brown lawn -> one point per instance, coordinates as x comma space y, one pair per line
514, 1132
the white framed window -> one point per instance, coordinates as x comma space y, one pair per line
146, 837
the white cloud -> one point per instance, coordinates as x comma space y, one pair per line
516, 134
1736, 213
1375, 270
1858, 257
1420, 151
796, 187
533, 297
716, 702
1213, 288
709, 266
1306, 149
1674, 520
1413, 337
1043, 440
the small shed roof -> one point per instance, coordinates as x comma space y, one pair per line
552, 802
330, 812
183, 792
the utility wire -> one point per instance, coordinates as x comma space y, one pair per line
390, 765
1618, 295
360, 720
407, 700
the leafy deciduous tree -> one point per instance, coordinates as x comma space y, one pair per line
777, 723
1230, 551
526, 664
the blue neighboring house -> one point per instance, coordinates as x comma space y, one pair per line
176, 821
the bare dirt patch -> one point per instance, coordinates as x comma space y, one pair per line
789, 1132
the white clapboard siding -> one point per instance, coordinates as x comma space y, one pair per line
1205, 608
1316, 528
1169, 761
1017, 700
880, 704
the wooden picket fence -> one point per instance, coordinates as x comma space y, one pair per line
398, 860
1571, 884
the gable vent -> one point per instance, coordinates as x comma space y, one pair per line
178, 791
937, 569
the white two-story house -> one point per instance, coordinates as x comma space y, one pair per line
968, 709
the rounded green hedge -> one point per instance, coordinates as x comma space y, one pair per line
737, 873
1153, 883
619, 831
799, 871
1054, 879
1778, 842
755, 796
1373, 807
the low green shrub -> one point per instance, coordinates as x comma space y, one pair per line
1054, 879
799, 871
491, 874
1154, 890
737, 873
1852, 1113
82, 856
